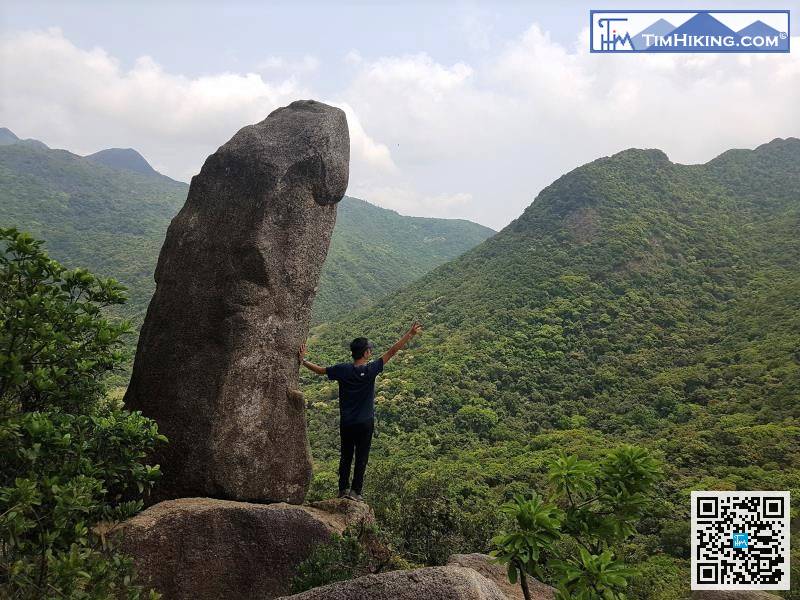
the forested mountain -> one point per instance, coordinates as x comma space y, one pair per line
109, 220
634, 300
109, 212
123, 158
7, 136
375, 251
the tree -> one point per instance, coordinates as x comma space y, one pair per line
537, 527
55, 344
592, 508
65, 479
73, 462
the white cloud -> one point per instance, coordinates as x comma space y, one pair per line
372, 154
421, 106
353, 57
83, 100
505, 129
476, 24
427, 137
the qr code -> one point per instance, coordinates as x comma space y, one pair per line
740, 540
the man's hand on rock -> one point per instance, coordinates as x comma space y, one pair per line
301, 354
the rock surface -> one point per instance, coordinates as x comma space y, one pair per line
216, 365
204, 549
429, 583
485, 565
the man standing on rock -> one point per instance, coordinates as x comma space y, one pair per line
357, 405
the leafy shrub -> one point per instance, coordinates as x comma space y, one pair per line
595, 506
430, 513
55, 344
73, 463
479, 419
63, 475
325, 484
358, 551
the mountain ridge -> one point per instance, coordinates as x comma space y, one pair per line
635, 300
122, 158
125, 159
113, 221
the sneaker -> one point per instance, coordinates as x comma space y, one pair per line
344, 494
355, 496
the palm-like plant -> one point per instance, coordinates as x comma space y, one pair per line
537, 527
592, 577
601, 504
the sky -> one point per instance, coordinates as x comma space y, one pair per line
456, 109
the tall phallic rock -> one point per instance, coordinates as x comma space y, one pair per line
216, 365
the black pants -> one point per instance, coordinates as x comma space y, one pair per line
356, 438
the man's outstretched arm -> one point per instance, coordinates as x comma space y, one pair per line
415, 329
308, 364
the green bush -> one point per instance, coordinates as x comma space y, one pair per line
74, 464
63, 476
478, 419
593, 505
430, 512
358, 551
55, 344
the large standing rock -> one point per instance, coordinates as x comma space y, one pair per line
429, 583
216, 364
486, 566
204, 549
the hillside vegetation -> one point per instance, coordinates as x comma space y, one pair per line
109, 220
635, 300
113, 221
375, 251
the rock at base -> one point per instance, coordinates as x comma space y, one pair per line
216, 364
429, 583
486, 566
206, 549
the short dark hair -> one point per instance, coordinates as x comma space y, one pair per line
359, 347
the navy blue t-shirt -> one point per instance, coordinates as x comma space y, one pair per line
356, 390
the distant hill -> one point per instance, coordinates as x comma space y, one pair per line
635, 300
109, 220
375, 251
110, 211
123, 158
623, 277
7, 137
126, 159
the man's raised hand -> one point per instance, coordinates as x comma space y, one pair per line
416, 327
